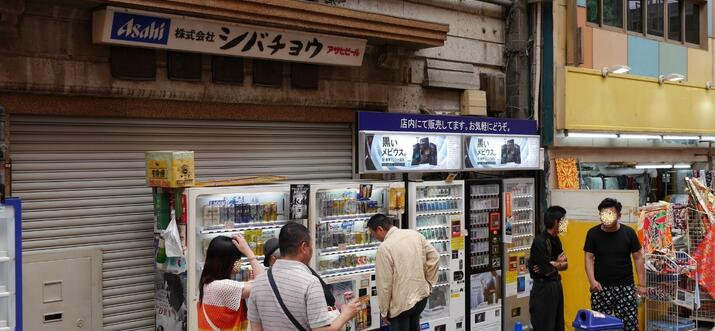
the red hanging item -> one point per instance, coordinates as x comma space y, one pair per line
705, 255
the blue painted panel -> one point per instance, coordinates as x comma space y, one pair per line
710, 18
643, 56
582, 3
673, 59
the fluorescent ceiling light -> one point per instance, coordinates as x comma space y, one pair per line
682, 166
671, 78
681, 137
639, 136
708, 138
675, 78
654, 166
616, 69
591, 135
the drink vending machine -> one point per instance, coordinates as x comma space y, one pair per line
484, 220
436, 209
518, 232
10, 265
344, 249
258, 212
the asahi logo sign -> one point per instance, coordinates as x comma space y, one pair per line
140, 28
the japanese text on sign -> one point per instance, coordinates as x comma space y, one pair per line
457, 126
147, 29
419, 123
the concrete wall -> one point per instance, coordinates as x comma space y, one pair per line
50, 51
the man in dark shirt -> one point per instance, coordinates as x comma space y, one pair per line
608, 250
547, 258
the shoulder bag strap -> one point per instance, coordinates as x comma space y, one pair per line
280, 301
208, 320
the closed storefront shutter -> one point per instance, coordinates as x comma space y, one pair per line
82, 185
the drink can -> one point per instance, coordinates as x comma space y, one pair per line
274, 211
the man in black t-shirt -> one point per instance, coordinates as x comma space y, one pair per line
547, 258
608, 250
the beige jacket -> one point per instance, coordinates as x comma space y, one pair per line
406, 270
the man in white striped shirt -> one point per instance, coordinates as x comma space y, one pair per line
300, 291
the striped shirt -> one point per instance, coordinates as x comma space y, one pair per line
302, 294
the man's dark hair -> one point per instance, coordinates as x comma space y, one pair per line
610, 203
379, 220
553, 214
292, 235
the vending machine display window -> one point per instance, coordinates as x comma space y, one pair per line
437, 212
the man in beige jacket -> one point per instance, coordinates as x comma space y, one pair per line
406, 270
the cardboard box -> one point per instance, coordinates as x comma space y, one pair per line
474, 102
170, 169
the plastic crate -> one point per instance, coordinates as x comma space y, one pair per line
588, 320
680, 324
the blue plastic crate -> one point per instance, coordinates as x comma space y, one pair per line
682, 324
588, 320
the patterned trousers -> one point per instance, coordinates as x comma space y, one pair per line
619, 301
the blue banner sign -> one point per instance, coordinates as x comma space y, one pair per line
398, 122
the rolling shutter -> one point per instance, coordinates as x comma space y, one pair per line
82, 184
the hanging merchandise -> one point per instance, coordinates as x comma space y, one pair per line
567, 174
654, 227
704, 198
704, 203
705, 255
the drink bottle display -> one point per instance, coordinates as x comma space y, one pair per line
437, 212
345, 250
256, 212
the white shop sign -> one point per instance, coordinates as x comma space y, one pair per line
128, 27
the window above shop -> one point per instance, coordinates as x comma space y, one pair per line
675, 21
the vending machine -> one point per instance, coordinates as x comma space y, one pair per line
10, 265
484, 248
344, 249
258, 212
519, 206
436, 209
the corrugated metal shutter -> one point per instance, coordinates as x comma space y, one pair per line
82, 184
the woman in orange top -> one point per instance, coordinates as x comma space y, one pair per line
222, 300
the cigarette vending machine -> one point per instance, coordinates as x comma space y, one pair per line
344, 249
436, 209
484, 248
257, 212
518, 233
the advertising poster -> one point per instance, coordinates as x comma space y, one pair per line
411, 152
501, 152
171, 310
299, 198
485, 289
